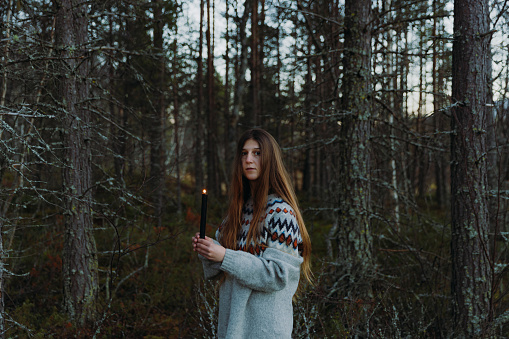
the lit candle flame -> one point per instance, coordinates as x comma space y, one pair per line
204, 191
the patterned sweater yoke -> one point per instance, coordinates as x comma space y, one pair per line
279, 228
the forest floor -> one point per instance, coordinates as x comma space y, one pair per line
152, 282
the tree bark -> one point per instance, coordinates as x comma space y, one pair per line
228, 153
79, 254
2, 168
6, 55
176, 115
355, 236
421, 163
438, 119
198, 130
157, 120
471, 272
240, 83
211, 148
255, 69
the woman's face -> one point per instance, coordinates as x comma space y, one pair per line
250, 156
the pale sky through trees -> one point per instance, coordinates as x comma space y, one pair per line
190, 20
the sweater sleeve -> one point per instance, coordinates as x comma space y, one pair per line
270, 272
210, 268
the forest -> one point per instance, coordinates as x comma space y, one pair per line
393, 118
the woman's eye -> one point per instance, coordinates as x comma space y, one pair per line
243, 153
257, 153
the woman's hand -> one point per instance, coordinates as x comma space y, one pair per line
207, 248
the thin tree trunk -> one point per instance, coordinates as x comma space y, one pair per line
6, 54
80, 254
306, 172
176, 115
198, 154
228, 153
157, 121
261, 56
211, 148
494, 179
119, 138
392, 86
354, 237
471, 283
240, 84
3, 95
241, 78
255, 69
438, 120
420, 152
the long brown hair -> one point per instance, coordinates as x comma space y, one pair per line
273, 179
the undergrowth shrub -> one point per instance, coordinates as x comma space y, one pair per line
151, 282
207, 301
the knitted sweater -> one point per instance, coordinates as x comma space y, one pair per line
255, 300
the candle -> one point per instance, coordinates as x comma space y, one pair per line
203, 220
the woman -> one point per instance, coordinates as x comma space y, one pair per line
263, 246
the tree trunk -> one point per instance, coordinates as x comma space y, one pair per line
421, 163
471, 273
2, 168
494, 201
157, 121
198, 130
6, 56
211, 148
355, 236
228, 153
391, 68
119, 139
80, 254
176, 115
438, 119
262, 112
255, 69
240, 84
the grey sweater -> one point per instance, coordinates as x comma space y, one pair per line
255, 300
